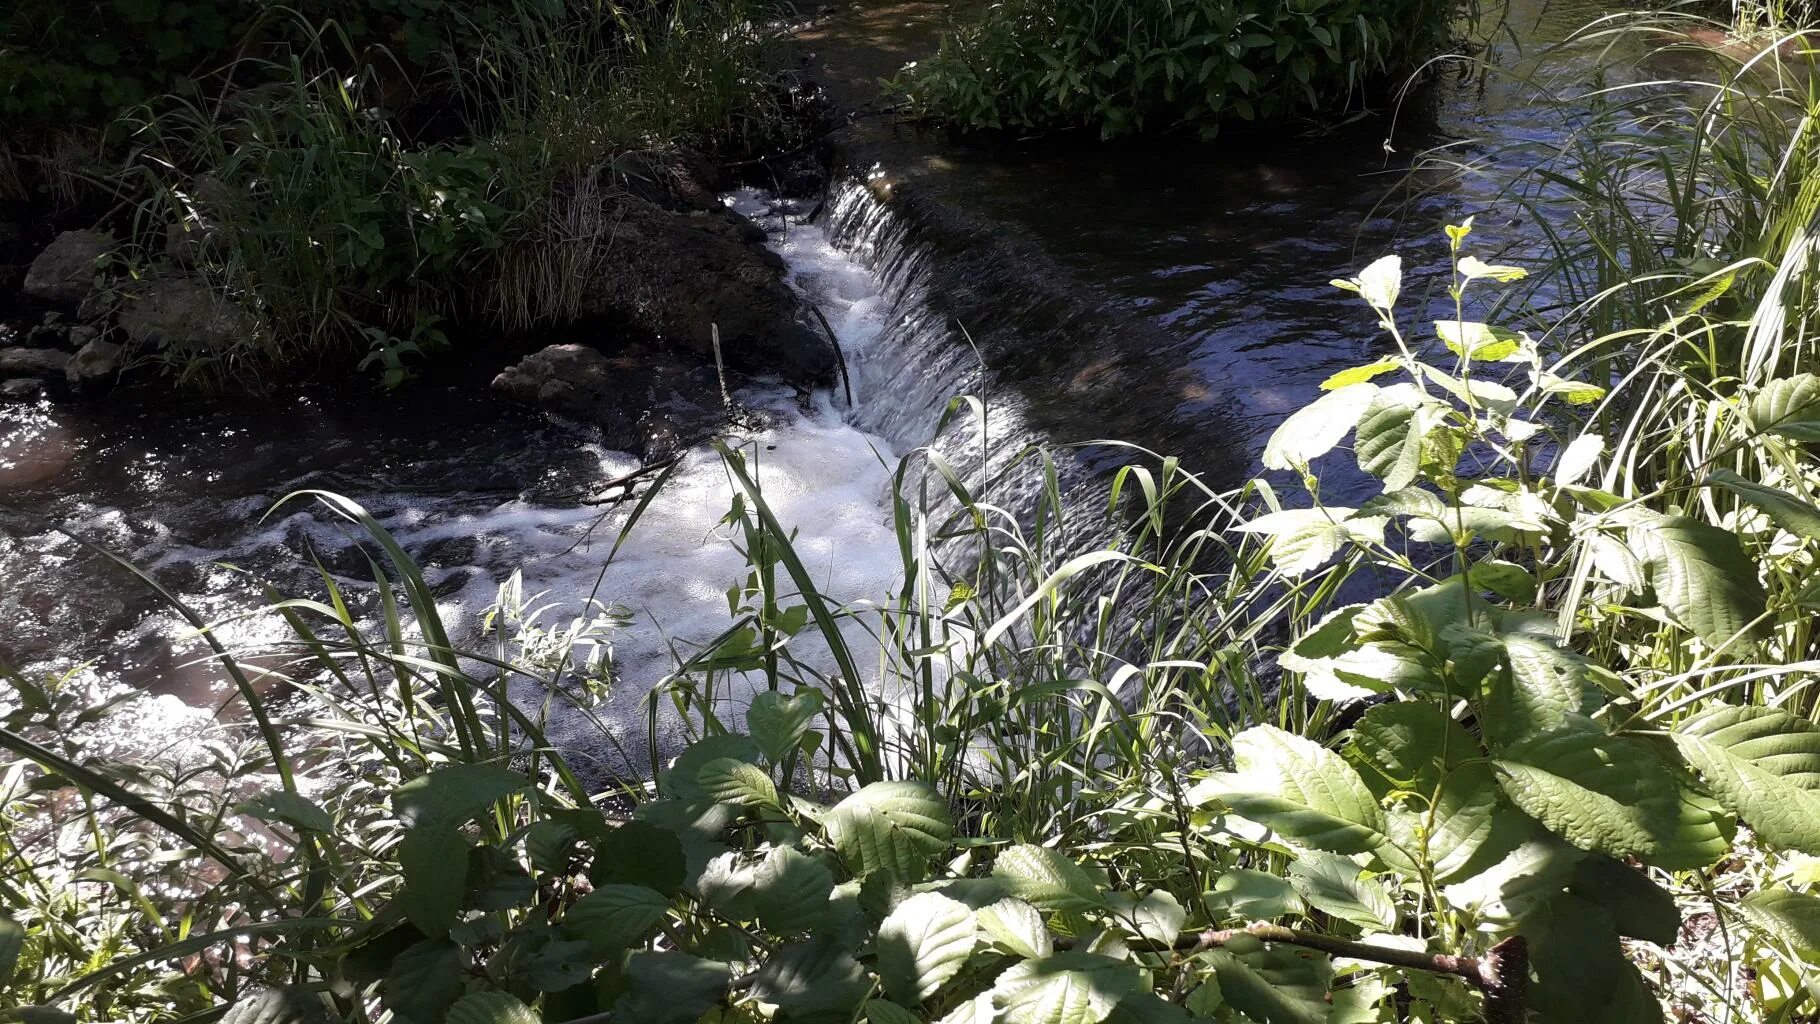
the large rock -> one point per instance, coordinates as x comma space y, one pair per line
65, 271
183, 313
681, 276
645, 402
96, 360
32, 362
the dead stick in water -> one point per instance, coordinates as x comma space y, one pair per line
840, 358
626, 481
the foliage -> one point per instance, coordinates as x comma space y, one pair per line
1156, 65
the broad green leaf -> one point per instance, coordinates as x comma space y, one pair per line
541, 959
1301, 790
1015, 925
452, 794
550, 845
614, 917
1789, 407
728, 781
1638, 907
1241, 894
491, 1008
790, 891
923, 943
1047, 879
1336, 886
1793, 514
1412, 744
1273, 984
1460, 825
12, 942
1472, 340
813, 978
881, 1011
1064, 988
1790, 917
671, 988
1472, 268
1312, 431
683, 780
890, 826
1388, 440
1361, 374
640, 853
778, 723
278, 1006
1573, 392
1156, 916
1146, 1008
425, 980
1303, 539
293, 809
1579, 458
1537, 868
1579, 972
978, 1010
434, 862
1764, 764
1380, 282
1541, 686
1702, 577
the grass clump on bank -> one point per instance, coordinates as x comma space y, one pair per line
1156, 65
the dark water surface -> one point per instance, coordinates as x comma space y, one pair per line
1193, 314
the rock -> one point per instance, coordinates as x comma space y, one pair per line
65, 271
80, 335
183, 313
97, 360
21, 389
679, 276
33, 362
644, 401
678, 179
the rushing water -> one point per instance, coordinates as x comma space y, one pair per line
1171, 296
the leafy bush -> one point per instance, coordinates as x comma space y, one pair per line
1155, 65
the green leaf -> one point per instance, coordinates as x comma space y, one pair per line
1388, 441
12, 942
1299, 789
293, 809
1537, 866
1472, 340
614, 917
728, 781
1410, 743
1798, 517
1242, 894
425, 980
815, 977
1302, 539
550, 845
1573, 392
890, 826
434, 862
278, 1006
1361, 374
454, 793
922, 944
1764, 764
1638, 907
778, 723
1789, 407
1273, 984
491, 1008
1702, 577
1541, 688
1156, 916
1047, 879
1580, 973
1472, 268
1337, 886
880, 1011
639, 853
1312, 431
1380, 282
1788, 916
683, 778
790, 891
672, 988
1064, 988
1015, 925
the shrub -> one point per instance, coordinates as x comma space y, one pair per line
1156, 65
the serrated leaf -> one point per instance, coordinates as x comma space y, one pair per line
1312, 431
923, 943
1274, 984
1793, 514
1156, 917
880, 1011
549, 845
1578, 458
425, 980
1764, 764
1361, 374
671, 988
1337, 886
1015, 925
1580, 973
1702, 577
683, 779
1241, 894
778, 723
293, 809
491, 1008
1411, 744
790, 891
1046, 879
1638, 907
278, 1006
434, 862
1537, 867
1789, 407
1472, 268
1064, 988
454, 793
1790, 917
890, 826
1303, 539
1388, 439
815, 977
728, 781
640, 853
1573, 392
1301, 790
1380, 282
614, 917
1473, 340
1542, 686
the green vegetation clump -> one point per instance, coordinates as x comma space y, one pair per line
1158, 65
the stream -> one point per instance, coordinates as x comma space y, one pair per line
1169, 295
